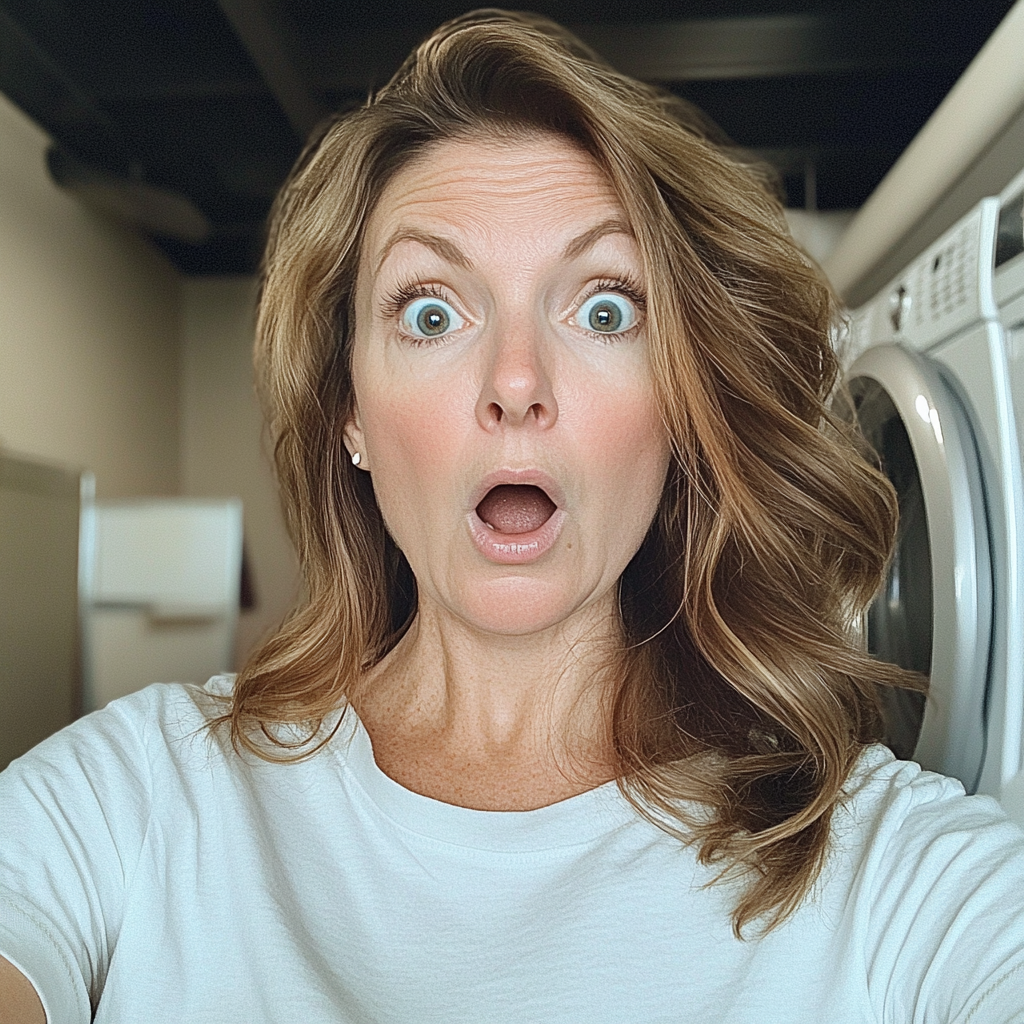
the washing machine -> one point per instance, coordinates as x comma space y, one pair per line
1008, 285
929, 384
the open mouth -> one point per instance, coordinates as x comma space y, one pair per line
516, 508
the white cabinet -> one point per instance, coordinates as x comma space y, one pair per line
160, 589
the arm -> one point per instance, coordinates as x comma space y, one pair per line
944, 905
73, 812
19, 1003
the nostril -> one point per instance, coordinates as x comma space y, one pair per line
492, 414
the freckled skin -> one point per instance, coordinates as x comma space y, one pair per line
521, 384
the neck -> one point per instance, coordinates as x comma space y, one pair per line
531, 712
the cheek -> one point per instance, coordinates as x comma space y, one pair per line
630, 450
404, 431
413, 453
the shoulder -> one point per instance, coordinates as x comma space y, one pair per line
931, 882
131, 735
78, 810
893, 803
897, 820
100, 782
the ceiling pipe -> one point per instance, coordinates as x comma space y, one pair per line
154, 210
983, 101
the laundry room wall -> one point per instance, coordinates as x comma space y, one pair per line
222, 449
88, 330
818, 231
111, 361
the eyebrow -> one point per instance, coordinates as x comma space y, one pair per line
444, 247
449, 251
581, 243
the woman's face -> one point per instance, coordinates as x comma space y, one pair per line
504, 400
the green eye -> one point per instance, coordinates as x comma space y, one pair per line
430, 318
607, 313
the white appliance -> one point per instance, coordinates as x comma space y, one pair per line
932, 392
1008, 285
160, 593
39, 666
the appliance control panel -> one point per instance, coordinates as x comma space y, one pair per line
947, 288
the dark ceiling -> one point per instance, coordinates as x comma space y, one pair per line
210, 99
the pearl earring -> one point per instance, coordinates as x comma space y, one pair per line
356, 458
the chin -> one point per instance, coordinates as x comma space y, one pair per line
516, 606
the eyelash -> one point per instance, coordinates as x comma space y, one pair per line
396, 301
627, 286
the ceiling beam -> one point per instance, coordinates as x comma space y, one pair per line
669, 51
766, 46
164, 90
49, 95
708, 49
719, 48
274, 50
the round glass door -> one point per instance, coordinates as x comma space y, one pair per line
934, 611
899, 622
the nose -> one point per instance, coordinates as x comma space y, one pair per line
517, 387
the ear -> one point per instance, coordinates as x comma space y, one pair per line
355, 440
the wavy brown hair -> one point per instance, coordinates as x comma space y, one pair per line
742, 685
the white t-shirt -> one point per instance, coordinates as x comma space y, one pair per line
149, 875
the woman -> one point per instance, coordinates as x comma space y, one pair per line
573, 724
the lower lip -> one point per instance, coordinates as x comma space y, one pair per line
515, 548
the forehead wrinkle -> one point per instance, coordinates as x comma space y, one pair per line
448, 250
447, 178
444, 247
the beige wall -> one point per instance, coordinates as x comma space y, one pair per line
110, 361
88, 330
819, 231
222, 453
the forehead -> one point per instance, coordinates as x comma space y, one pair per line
537, 185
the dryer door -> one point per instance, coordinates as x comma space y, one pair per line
934, 613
